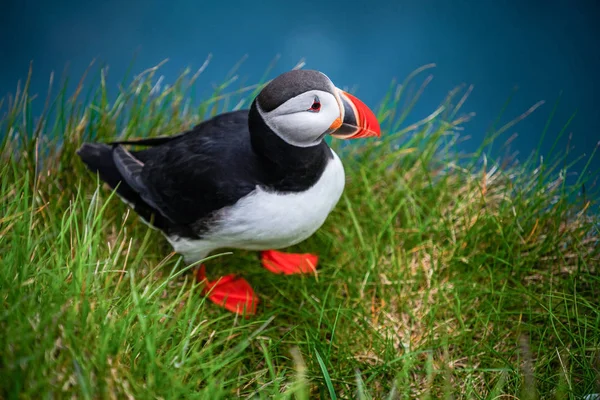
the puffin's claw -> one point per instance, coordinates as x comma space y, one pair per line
289, 263
231, 292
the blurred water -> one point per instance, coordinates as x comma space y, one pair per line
543, 47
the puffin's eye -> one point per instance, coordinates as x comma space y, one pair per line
316, 106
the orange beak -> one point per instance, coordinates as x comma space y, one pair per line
358, 121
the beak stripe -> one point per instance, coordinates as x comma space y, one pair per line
367, 123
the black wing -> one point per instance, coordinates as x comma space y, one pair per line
190, 176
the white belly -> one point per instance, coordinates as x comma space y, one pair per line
265, 220
269, 220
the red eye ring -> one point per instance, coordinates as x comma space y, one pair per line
316, 106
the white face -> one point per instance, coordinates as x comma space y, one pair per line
305, 119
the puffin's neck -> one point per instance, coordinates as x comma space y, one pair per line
293, 168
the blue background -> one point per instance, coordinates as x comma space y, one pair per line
542, 47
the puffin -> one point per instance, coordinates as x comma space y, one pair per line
260, 179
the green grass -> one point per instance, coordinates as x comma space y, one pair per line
441, 276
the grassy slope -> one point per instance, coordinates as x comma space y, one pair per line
435, 279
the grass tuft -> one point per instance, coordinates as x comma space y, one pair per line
442, 275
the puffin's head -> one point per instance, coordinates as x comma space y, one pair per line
302, 106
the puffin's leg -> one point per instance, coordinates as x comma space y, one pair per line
289, 263
231, 292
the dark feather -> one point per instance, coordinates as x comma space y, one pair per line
99, 159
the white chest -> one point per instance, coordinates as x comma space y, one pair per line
267, 220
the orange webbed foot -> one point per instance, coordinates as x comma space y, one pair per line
230, 292
289, 263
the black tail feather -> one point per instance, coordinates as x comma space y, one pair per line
98, 158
